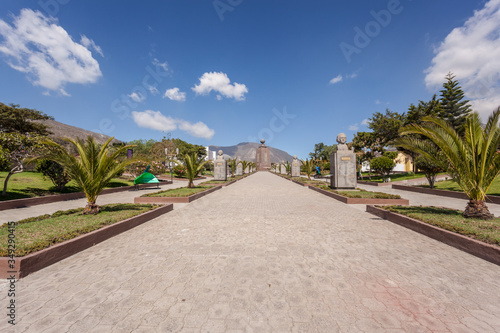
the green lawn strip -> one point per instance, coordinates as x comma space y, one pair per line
487, 231
33, 184
179, 192
360, 193
396, 177
451, 185
37, 233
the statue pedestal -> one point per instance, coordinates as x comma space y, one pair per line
343, 169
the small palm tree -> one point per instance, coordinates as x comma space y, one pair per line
288, 168
92, 170
472, 159
244, 165
308, 167
233, 163
194, 165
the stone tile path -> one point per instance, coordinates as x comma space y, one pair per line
263, 255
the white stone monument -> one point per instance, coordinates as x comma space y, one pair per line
343, 165
220, 167
239, 169
295, 167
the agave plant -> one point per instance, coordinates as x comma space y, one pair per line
472, 159
194, 165
308, 166
92, 170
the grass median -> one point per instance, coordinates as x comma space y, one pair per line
179, 192
37, 233
487, 231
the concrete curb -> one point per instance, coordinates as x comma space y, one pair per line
364, 182
479, 249
35, 261
19, 203
165, 200
444, 193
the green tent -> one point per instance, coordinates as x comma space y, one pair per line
146, 178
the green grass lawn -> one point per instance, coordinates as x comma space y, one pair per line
450, 185
40, 232
395, 177
178, 192
452, 220
33, 184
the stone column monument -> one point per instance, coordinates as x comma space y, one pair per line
343, 165
220, 167
283, 168
263, 157
295, 167
239, 169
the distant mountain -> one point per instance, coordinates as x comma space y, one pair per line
61, 130
247, 150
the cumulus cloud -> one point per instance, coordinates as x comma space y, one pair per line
157, 121
175, 95
36, 45
472, 53
89, 43
136, 97
365, 122
354, 127
337, 79
219, 82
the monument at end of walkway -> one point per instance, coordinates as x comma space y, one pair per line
343, 165
239, 168
263, 157
295, 167
220, 167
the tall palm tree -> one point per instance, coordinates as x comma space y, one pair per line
194, 165
472, 159
92, 170
308, 167
244, 165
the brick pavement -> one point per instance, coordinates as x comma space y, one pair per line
263, 255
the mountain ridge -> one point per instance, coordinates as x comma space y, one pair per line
247, 151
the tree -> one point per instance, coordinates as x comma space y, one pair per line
322, 151
471, 159
454, 109
385, 127
194, 165
92, 170
288, 167
365, 144
55, 172
429, 168
232, 163
308, 166
244, 165
382, 165
15, 148
14, 119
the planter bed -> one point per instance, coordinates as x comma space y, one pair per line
363, 201
365, 182
187, 199
477, 248
19, 203
35, 261
444, 193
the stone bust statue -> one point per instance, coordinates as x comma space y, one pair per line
294, 157
220, 155
341, 140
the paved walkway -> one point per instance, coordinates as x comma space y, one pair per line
263, 255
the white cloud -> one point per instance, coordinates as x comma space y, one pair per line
157, 121
354, 127
89, 43
337, 79
37, 46
365, 122
378, 102
472, 53
219, 82
163, 65
137, 97
152, 90
175, 95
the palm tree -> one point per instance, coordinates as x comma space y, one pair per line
308, 167
92, 170
472, 159
244, 165
194, 165
288, 168
233, 163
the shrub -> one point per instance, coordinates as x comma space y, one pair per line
180, 171
55, 172
137, 168
382, 165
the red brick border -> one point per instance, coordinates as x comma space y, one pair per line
479, 249
35, 261
444, 193
164, 200
18, 203
363, 201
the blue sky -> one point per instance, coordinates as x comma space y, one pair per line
227, 71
